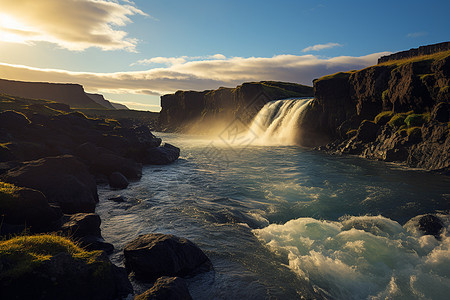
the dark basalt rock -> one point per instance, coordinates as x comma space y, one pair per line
28, 207
174, 288
82, 224
431, 225
367, 131
441, 112
154, 255
162, 155
63, 180
103, 161
65, 277
428, 224
13, 120
118, 181
118, 199
85, 229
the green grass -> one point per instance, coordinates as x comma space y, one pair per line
398, 119
414, 131
342, 75
414, 120
430, 58
383, 117
22, 254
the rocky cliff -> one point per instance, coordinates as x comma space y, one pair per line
394, 111
71, 94
190, 109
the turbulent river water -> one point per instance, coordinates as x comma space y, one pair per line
284, 222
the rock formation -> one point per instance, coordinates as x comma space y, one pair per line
186, 109
394, 111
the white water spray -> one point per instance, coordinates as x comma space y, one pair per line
278, 122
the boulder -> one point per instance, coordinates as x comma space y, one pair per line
441, 112
103, 161
367, 131
13, 120
82, 224
428, 224
174, 288
162, 155
85, 229
118, 181
62, 179
118, 199
68, 272
28, 207
151, 256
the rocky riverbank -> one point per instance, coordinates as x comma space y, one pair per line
51, 160
396, 111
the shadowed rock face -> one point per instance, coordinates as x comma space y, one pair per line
167, 288
345, 102
181, 109
154, 255
63, 180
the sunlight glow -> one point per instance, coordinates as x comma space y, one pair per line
13, 31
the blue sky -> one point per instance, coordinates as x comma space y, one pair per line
134, 51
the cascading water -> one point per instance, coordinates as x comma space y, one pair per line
278, 122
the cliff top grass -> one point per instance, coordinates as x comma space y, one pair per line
431, 57
28, 106
22, 254
342, 75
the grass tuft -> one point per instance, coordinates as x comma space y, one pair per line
22, 254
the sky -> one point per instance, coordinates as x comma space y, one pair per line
134, 51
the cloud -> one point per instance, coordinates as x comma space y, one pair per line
197, 75
416, 34
71, 24
321, 47
169, 61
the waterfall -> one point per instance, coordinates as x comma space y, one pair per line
278, 122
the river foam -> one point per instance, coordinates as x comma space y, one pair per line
367, 257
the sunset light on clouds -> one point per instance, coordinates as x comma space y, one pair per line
135, 51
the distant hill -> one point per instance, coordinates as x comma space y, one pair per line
118, 105
71, 94
98, 98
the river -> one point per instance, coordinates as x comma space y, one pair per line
285, 222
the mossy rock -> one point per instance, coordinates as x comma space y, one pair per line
398, 119
27, 207
383, 117
415, 120
53, 267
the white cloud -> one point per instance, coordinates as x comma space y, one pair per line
71, 24
321, 47
416, 34
197, 75
170, 61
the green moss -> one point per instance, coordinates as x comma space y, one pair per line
414, 120
341, 75
385, 95
8, 193
383, 117
397, 120
22, 254
414, 131
429, 58
351, 132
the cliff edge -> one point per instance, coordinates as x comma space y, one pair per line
395, 111
196, 111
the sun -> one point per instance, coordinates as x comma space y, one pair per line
13, 31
